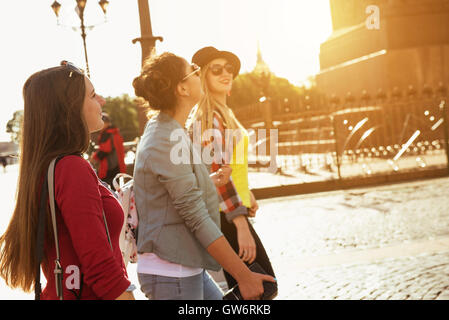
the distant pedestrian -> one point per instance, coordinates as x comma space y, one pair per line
237, 202
61, 109
4, 163
110, 154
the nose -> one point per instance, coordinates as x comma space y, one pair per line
226, 71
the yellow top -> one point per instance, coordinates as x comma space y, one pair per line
239, 166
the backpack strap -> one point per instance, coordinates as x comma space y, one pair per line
121, 180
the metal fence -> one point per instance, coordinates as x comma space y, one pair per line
348, 137
342, 142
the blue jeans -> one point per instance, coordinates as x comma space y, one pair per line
198, 287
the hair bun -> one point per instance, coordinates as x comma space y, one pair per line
139, 87
157, 82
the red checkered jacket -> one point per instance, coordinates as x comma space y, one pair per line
230, 202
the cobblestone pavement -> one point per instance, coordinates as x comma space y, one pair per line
420, 277
336, 221
388, 242
324, 227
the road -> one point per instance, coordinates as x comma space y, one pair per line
389, 242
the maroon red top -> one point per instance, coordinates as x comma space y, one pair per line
84, 248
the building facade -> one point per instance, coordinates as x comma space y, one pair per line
385, 44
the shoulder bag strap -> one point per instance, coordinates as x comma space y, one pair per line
51, 193
41, 229
107, 230
40, 239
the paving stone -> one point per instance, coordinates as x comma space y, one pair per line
357, 281
337, 222
399, 296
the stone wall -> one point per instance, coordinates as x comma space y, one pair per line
411, 46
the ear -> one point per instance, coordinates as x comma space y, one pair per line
182, 90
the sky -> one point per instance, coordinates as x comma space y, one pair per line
289, 33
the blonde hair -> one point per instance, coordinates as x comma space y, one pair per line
204, 112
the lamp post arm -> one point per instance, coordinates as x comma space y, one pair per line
149, 38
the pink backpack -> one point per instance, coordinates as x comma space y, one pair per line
128, 236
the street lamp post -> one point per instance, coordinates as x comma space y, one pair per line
147, 43
147, 40
81, 5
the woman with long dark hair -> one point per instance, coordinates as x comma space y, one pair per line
61, 109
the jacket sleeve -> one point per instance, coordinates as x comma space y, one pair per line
79, 200
182, 186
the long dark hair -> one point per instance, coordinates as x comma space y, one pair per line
53, 125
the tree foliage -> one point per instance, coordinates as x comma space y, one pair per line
248, 88
14, 126
123, 113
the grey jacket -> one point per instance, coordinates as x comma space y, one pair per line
177, 204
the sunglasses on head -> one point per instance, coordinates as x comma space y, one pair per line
217, 69
196, 70
72, 68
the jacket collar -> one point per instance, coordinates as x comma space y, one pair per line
164, 117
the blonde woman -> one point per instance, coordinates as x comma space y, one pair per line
237, 202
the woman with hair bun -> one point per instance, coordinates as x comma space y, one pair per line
179, 235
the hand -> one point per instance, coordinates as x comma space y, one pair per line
127, 295
226, 170
247, 245
217, 178
254, 205
252, 287
221, 176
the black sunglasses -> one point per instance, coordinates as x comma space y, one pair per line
217, 69
72, 67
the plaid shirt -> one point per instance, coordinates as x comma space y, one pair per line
230, 202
